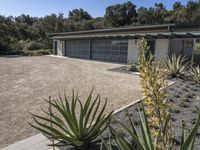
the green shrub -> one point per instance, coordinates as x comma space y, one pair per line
78, 130
37, 52
195, 74
33, 45
43, 52
176, 66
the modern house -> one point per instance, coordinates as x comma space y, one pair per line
120, 44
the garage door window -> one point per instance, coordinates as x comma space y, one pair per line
110, 50
77, 48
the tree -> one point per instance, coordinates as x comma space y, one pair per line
177, 5
192, 11
153, 15
79, 15
121, 14
17, 32
186, 14
145, 16
159, 13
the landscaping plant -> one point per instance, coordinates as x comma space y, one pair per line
195, 74
66, 125
37, 52
133, 67
176, 66
143, 139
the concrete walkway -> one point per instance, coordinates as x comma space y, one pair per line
36, 142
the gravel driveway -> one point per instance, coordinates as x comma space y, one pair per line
24, 81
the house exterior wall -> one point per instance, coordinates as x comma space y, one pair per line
54, 47
161, 50
132, 51
60, 48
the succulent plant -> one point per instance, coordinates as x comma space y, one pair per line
195, 74
176, 66
77, 130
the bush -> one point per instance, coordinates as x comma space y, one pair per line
11, 52
13, 48
37, 52
33, 45
65, 124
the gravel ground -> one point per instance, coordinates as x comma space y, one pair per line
26, 80
184, 97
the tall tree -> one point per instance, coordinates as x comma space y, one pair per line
177, 5
153, 15
160, 13
145, 15
121, 14
79, 15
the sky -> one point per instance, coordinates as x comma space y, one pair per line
96, 8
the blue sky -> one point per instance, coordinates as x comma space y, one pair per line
41, 8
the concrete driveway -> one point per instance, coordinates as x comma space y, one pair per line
24, 81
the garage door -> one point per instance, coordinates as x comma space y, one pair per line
109, 50
77, 48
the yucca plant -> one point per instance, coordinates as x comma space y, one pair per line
155, 100
195, 74
140, 140
66, 125
143, 140
176, 66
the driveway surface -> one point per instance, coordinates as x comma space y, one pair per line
24, 81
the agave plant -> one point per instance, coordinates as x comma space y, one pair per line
176, 66
65, 125
143, 140
133, 67
195, 74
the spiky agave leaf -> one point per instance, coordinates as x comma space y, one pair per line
176, 66
195, 74
142, 140
187, 141
78, 130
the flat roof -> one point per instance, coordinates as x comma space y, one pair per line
123, 31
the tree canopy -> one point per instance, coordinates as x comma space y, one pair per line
18, 33
121, 14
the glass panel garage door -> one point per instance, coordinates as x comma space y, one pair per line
110, 50
77, 48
